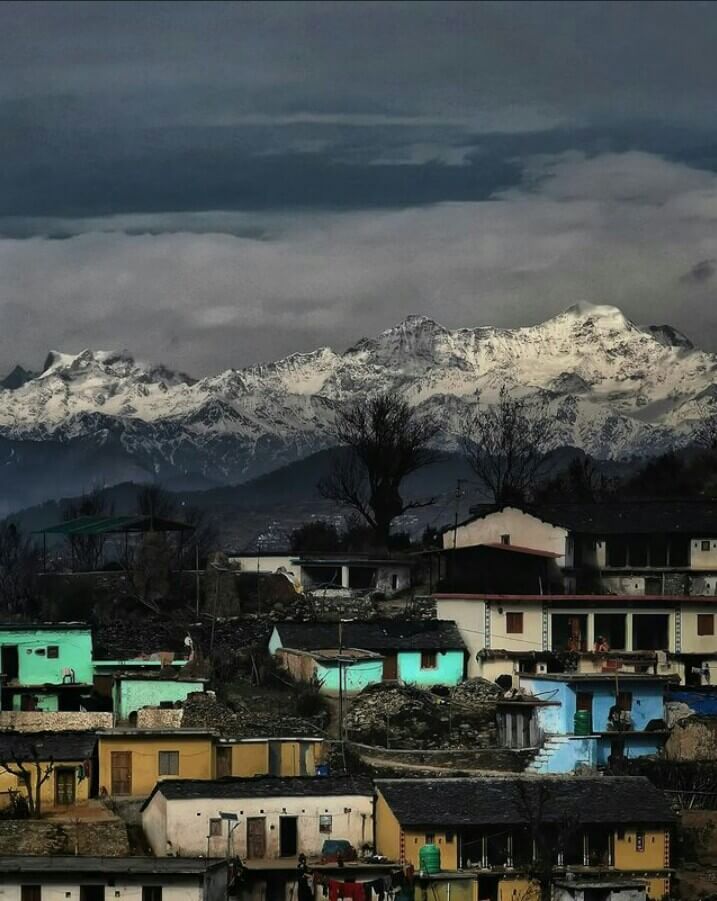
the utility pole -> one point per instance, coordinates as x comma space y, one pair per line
341, 688
458, 494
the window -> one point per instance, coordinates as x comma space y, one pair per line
53, 652
449, 838
394, 582
514, 623
325, 824
429, 660
639, 841
215, 826
624, 700
705, 545
430, 838
169, 763
705, 624
505, 539
151, 893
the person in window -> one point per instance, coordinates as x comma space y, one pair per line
601, 645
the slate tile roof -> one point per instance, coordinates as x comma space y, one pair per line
515, 800
649, 516
263, 787
374, 635
57, 746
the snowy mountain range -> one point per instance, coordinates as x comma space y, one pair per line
616, 389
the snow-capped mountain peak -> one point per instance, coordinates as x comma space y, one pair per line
615, 387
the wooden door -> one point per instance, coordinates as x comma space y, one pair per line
256, 837
31, 893
121, 772
64, 786
390, 667
224, 762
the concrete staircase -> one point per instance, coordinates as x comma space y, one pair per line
554, 747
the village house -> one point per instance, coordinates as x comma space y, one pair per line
594, 719
422, 653
261, 819
63, 764
332, 574
133, 691
594, 827
132, 761
507, 634
648, 547
268, 756
46, 666
74, 878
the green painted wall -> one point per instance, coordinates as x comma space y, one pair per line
35, 667
355, 677
448, 669
130, 695
49, 703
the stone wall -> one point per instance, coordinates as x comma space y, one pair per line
99, 839
693, 738
159, 718
38, 721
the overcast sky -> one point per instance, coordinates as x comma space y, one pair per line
212, 185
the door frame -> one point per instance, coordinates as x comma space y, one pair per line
128, 755
64, 770
249, 821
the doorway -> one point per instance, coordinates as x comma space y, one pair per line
121, 762
224, 762
92, 893
288, 836
10, 662
255, 838
390, 667
65, 783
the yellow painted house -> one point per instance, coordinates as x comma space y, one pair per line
132, 761
596, 827
64, 762
268, 756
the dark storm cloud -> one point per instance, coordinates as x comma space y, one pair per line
236, 181
124, 107
701, 272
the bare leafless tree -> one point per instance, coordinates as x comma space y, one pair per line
507, 444
32, 773
87, 550
387, 440
550, 824
18, 569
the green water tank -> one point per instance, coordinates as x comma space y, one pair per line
583, 722
429, 859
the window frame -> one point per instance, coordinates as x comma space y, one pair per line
215, 822
164, 755
325, 820
707, 548
510, 622
53, 652
705, 624
429, 659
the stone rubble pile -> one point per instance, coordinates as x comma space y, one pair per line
391, 715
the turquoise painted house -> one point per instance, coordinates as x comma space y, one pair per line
622, 716
133, 691
47, 666
422, 653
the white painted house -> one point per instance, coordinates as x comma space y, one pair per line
77, 878
263, 818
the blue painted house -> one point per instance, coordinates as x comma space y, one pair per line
422, 653
622, 716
